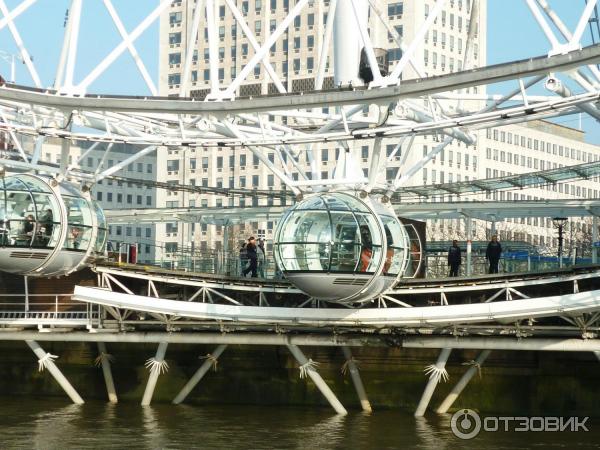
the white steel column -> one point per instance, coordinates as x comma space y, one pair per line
358, 385
154, 373
594, 239
469, 230
462, 383
106, 371
324, 51
213, 48
346, 43
75, 20
319, 382
45, 361
433, 381
205, 367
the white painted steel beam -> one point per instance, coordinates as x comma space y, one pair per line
316, 378
199, 374
107, 372
45, 360
316, 340
357, 381
154, 373
504, 311
408, 89
504, 343
434, 379
462, 383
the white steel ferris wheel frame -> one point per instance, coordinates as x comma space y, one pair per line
286, 124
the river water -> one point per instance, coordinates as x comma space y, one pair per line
27, 423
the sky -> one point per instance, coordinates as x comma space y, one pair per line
512, 34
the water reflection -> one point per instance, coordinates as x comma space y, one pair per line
49, 424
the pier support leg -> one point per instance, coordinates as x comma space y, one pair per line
45, 361
316, 378
433, 381
469, 231
597, 355
358, 385
205, 367
156, 366
106, 371
462, 383
594, 239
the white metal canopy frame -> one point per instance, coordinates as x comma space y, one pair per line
47, 228
287, 125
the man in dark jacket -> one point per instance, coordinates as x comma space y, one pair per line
252, 257
493, 252
454, 258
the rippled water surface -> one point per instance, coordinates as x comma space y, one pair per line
53, 424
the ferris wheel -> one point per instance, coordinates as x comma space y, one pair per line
353, 95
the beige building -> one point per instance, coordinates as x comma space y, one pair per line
294, 58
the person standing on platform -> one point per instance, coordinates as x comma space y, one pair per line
252, 257
492, 254
454, 258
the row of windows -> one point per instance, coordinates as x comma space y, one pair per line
176, 17
133, 167
539, 145
175, 38
118, 231
309, 65
448, 19
230, 202
118, 198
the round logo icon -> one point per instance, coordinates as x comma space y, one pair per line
465, 424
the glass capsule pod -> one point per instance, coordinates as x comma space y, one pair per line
337, 247
47, 228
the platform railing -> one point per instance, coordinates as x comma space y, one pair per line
232, 263
46, 307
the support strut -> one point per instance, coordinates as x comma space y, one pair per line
45, 361
106, 371
155, 366
205, 367
319, 382
462, 383
357, 381
433, 381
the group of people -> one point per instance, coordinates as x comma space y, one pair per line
41, 233
253, 257
492, 254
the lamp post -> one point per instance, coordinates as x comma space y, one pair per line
559, 224
10, 58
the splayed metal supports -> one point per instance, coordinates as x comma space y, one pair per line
356, 380
45, 361
157, 365
104, 361
462, 383
437, 372
306, 367
210, 361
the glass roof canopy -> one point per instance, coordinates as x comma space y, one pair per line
524, 180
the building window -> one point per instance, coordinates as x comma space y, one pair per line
395, 9
174, 58
175, 18
174, 38
174, 78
